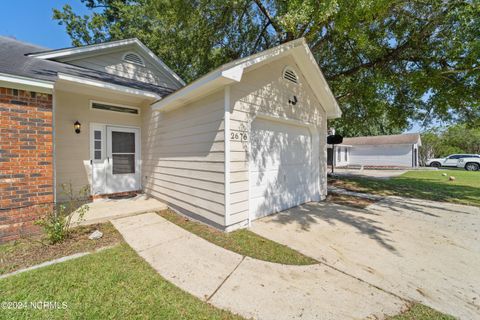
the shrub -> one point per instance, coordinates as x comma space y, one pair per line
57, 221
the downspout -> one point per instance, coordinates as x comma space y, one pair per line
227, 154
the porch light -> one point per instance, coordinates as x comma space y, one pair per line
77, 126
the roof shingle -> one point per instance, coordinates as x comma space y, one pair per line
407, 138
14, 61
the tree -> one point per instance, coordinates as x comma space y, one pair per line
387, 62
454, 139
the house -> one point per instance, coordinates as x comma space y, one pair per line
399, 150
342, 155
241, 142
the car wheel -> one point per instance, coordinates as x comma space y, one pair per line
435, 164
472, 166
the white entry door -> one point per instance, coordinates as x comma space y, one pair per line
281, 171
116, 160
123, 159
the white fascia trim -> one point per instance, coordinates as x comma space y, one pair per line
84, 49
226, 125
26, 83
159, 61
319, 81
108, 86
215, 80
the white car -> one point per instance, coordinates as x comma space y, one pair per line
450, 161
469, 164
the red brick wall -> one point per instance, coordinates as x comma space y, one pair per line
26, 160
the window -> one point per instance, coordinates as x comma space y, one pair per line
346, 154
97, 145
114, 108
134, 58
339, 154
290, 75
123, 152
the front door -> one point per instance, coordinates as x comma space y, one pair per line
116, 159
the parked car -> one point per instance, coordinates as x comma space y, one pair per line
450, 161
469, 164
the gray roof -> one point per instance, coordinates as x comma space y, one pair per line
407, 138
14, 61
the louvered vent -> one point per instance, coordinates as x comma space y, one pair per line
133, 58
290, 75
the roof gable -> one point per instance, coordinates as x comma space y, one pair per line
76, 55
16, 64
233, 71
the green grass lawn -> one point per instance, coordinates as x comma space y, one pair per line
421, 312
242, 241
117, 284
430, 185
111, 284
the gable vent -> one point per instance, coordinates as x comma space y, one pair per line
290, 75
134, 58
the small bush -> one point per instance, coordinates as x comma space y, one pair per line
56, 223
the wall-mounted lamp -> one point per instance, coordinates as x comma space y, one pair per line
77, 126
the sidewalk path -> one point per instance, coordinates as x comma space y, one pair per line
250, 287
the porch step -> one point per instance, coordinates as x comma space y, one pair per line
104, 210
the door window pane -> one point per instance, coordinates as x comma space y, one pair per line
123, 142
98, 135
123, 163
98, 155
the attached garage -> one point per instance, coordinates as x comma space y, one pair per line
280, 166
253, 139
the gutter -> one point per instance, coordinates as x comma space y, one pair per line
25, 83
62, 77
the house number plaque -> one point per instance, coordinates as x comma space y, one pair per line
238, 136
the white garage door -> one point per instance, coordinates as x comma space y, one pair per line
280, 167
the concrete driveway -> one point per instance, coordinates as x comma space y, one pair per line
420, 250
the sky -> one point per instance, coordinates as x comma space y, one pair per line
31, 21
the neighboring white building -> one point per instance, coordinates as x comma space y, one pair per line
399, 150
342, 155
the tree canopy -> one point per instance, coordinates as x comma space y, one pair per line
387, 62
454, 139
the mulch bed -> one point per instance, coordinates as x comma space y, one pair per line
27, 252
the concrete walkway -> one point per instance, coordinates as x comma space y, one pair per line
250, 287
103, 210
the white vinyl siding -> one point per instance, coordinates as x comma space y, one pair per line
264, 91
382, 155
114, 63
72, 150
183, 158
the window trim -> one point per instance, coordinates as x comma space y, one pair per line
115, 105
132, 62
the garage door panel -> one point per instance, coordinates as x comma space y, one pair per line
280, 167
